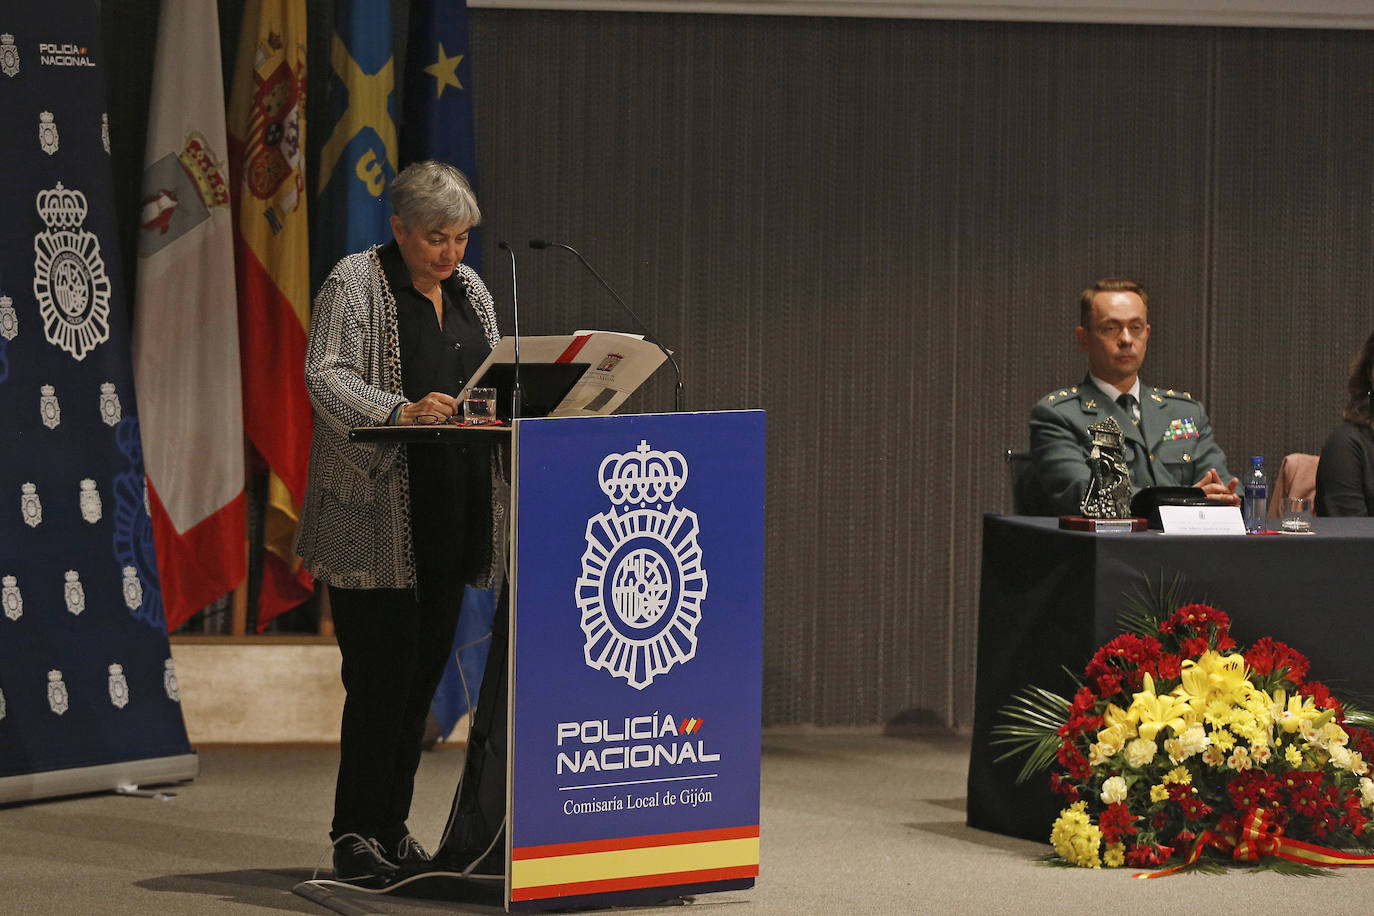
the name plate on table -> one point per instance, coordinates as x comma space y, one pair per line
1201, 520
1102, 525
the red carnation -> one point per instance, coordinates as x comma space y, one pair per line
1117, 823
1083, 702
1170, 666
1200, 621
1124, 660
1148, 854
1268, 655
1321, 695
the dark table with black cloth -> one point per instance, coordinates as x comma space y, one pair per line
1050, 598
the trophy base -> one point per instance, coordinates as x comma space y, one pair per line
1102, 525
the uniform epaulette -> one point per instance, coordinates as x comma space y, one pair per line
1060, 395
1161, 393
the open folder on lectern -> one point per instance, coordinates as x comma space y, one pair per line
589, 373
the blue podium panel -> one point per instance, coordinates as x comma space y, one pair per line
636, 659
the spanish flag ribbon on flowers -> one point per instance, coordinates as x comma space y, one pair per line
267, 161
1258, 836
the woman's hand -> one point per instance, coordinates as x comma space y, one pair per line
435, 404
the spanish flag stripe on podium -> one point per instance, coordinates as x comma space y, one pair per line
659, 860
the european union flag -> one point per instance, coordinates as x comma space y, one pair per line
437, 115
358, 160
437, 124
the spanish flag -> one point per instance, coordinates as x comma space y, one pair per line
272, 261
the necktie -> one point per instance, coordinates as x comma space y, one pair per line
1129, 405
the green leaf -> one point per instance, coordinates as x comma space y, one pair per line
1031, 726
1149, 606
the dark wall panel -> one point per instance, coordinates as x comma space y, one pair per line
878, 231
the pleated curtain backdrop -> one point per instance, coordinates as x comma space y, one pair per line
878, 231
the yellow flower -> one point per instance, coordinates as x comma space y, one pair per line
1155, 712
1179, 775
1076, 838
1223, 739
1115, 856
1159, 793
1292, 755
1113, 737
1213, 677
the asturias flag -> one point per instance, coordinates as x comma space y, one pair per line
267, 165
358, 160
186, 335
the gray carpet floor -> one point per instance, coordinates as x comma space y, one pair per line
851, 823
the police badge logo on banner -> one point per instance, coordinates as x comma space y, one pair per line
642, 582
69, 279
9, 56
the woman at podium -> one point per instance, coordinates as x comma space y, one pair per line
395, 333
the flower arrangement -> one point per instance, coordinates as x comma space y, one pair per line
1179, 745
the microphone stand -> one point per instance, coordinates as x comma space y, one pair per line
539, 244
515, 310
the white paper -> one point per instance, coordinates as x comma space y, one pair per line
1201, 520
618, 364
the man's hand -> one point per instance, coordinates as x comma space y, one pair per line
1222, 492
435, 405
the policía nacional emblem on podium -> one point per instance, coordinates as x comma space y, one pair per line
69, 278
642, 581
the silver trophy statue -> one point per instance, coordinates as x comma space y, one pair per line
1109, 487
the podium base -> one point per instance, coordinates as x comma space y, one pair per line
1103, 525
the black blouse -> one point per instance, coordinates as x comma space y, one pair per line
449, 485
1345, 473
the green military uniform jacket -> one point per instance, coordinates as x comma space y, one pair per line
1172, 447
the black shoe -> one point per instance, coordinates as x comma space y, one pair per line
409, 855
359, 859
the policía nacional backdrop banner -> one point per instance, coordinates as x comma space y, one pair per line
638, 656
86, 678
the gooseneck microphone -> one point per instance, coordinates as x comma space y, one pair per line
540, 244
515, 310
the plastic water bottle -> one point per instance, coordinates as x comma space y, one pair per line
1256, 495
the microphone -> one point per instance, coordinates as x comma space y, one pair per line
515, 309
540, 244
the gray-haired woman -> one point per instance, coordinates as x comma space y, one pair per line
395, 333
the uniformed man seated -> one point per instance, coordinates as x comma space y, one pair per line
1168, 438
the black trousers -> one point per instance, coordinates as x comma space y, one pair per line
394, 649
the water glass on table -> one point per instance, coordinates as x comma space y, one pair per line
1297, 515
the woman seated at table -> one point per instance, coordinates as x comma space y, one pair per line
1345, 474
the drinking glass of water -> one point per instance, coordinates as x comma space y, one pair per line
479, 407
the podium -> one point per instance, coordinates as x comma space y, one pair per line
634, 657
